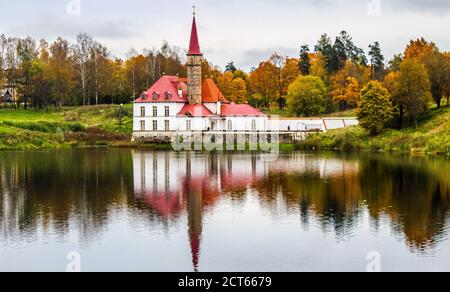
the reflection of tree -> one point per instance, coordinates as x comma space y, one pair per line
333, 198
413, 193
47, 194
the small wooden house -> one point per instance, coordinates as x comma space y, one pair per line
6, 96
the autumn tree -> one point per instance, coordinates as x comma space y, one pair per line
306, 96
26, 53
11, 63
99, 61
210, 71
419, 48
438, 67
41, 83
318, 67
304, 65
2, 56
375, 109
410, 90
239, 94
82, 52
60, 70
225, 84
278, 62
264, 84
289, 73
346, 91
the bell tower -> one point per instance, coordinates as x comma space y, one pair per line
194, 67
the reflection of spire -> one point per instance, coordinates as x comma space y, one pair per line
195, 220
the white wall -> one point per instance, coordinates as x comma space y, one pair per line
174, 109
245, 123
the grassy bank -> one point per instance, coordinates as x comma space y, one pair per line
430, 136
77, 126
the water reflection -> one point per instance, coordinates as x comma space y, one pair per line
49, 196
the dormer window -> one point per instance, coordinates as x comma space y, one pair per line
143, 95
167, 95
155, 95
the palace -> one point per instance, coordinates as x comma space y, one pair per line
175, 105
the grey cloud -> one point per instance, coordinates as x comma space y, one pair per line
70, 26
254, 57
435, 6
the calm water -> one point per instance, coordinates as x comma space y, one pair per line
131, 210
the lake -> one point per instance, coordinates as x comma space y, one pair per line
136, 210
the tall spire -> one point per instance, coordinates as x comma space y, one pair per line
194, 46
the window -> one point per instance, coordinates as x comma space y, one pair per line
155, 125
166, 111
230, 125
167, 95
155, 95
253, 125
142, 123
143, 95
167, 125
142, 111
155, 111
188, 125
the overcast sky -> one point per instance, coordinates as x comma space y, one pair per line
243, 31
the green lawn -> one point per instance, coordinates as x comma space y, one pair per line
430, 136
31, 129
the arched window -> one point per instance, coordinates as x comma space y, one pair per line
254, 125
230, 125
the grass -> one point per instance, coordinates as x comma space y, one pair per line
431, 135
72, 126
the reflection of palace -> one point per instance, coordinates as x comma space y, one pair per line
174, 183
171, 183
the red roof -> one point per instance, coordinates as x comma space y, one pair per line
240, 110
211, 93
194, 46
165, 90
195, 110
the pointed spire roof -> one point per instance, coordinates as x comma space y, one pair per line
194, 46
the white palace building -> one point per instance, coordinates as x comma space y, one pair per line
175, 105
